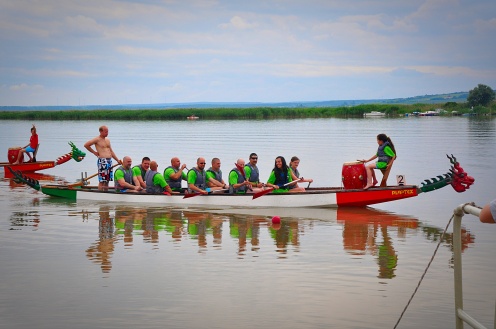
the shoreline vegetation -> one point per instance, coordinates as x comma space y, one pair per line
252, 113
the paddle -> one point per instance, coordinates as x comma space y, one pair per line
84, 180
259, 194
242, 171
191, 195
301, 178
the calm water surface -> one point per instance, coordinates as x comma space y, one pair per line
87, 265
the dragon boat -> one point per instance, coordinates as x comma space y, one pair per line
312, 197
31, 167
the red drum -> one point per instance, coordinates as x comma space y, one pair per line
13, 154
354, 175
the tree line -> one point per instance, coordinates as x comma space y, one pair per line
480, 101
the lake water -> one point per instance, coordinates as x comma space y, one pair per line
101, 265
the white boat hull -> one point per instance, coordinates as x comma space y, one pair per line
317, 197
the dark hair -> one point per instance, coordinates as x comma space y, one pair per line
284, 168
145, 159
253, 155
295, 158
385, 138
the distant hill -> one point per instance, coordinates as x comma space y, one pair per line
426, 99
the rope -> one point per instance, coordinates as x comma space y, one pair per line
425, 271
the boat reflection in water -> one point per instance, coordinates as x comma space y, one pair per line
365, 231
101, 251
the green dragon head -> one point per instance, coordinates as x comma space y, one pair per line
77, 154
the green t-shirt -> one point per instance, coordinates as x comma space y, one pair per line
170, 171
389, 152
210, 174
192, 177
233, 179
137, 171
119, 174
158, 180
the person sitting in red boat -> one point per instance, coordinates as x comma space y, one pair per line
31, 147
385, 153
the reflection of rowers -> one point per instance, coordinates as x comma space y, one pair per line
101, 251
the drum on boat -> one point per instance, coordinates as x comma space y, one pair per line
354, 175
13, 154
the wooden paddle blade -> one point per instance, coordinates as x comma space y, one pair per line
241, 170
190, 195
259, 194
79, 183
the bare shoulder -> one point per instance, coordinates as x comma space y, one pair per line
92, 141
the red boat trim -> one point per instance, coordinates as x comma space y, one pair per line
362, 198
27, 167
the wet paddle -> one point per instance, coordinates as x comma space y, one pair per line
84, 180
191, 195
259, 194
242, 171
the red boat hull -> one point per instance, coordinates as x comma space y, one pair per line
26, 167
372, 196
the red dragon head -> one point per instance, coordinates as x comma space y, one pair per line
460, 180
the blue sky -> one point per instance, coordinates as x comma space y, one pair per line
137, 52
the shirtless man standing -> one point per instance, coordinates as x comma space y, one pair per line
105, 154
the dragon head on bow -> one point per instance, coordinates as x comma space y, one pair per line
457, 177
77, 154
460, 180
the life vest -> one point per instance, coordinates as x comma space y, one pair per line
297, 174
174, 183
218, 175
150, 187
128, 178
240, 180
254, 174
200, 179
381, 155
282, 179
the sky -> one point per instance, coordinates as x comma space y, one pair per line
101, 52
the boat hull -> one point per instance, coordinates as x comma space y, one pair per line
318, 197
26, 167
374, 114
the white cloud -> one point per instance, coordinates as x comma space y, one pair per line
237, 22
199, 48
24, 87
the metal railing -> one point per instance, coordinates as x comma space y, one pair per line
462, 316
